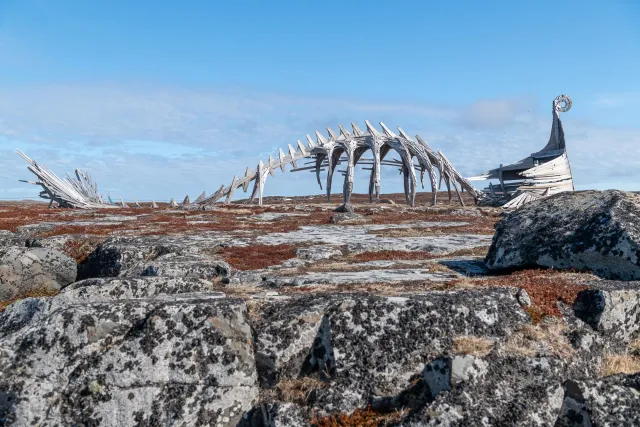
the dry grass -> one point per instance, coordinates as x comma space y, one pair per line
477, 251
475, 346
634, 347
256, 257
546, 339
360, 418
468, 225
36, 293
298, 390
391, 256
613, 364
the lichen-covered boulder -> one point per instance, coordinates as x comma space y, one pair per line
155, 255
170, 360
373, 348
606, 402
593, 230
509, 391
27, 269
611, 308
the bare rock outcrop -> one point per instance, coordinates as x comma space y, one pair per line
593, 230
116, 352
26, 269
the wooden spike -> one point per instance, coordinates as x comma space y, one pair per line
248, 174
214, 198
201, 197
344, 132
311, 143
186, 201
272, 172
137, 205
421, 141
332, 135
292, 153
154, 205
172, 203
302, 148
281, 158
371, 129
232, 189
356, 129
123, 204
387, 131
320, 138
403, 133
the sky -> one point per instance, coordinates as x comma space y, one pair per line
159, 99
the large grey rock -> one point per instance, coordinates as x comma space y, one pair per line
606, 402
371, 348
612, 308
159, 255
27, 269
498, 391
175, 360
594, 230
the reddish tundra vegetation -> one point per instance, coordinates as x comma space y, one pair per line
86, 229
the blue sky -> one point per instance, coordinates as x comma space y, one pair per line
163, 98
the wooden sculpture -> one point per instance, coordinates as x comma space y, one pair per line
542, 174
349, 148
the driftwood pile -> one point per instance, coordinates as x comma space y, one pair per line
71, 192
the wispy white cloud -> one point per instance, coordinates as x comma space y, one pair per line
616, 100
147, 142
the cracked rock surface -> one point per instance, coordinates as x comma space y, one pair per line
594, 230
26, 269
289, 320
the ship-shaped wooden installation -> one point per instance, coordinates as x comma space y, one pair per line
348, 148
542, 174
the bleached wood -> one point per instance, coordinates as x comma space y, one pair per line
200, 198
232, 189
154, 205
348, 148
78, 192
542, 174
172, 203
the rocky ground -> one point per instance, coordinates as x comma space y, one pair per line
292, 314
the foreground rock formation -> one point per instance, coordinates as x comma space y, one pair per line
253, 317
593, 230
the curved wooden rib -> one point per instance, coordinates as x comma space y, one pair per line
327, 153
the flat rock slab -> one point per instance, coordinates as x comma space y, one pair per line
272, 216
363, 238
369, 276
